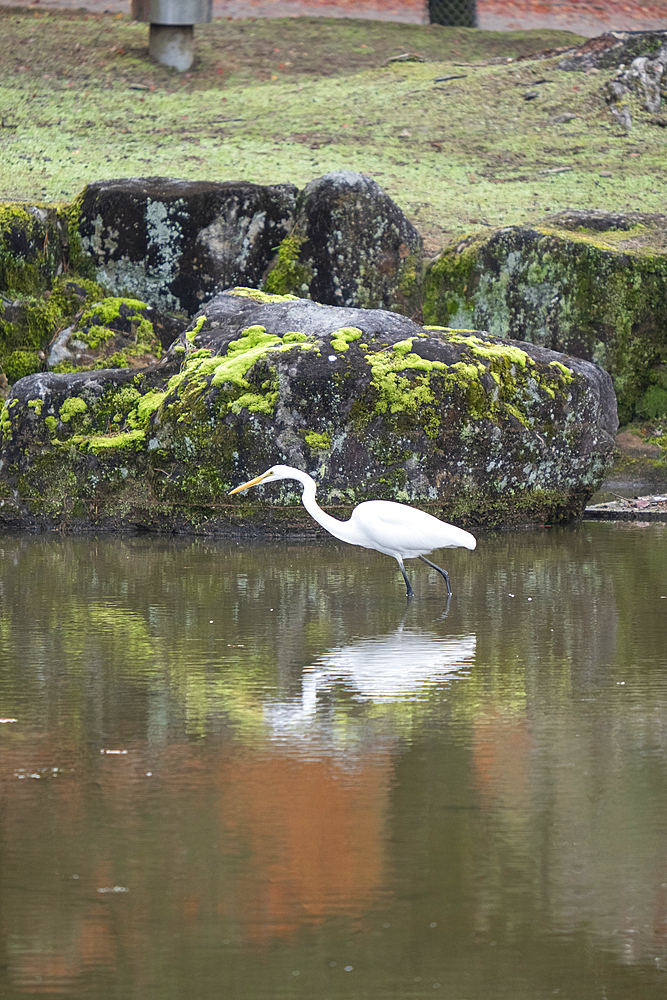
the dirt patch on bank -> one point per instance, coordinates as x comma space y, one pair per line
101, 48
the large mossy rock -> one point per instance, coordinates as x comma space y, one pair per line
590, 284
475, 429
174, 243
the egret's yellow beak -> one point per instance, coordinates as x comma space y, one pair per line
252, 482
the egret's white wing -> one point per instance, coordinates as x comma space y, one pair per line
399, 530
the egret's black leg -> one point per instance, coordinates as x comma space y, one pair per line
442, 572
411, 592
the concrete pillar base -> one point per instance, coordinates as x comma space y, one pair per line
172, 45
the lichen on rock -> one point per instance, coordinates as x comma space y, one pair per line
110, 333
580, 284
174, 243
351, 245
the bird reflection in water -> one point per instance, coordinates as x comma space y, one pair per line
403, 666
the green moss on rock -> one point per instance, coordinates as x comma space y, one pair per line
113, 332
71, 408
71, 293
28, 323
16, 364
100, 443
341, 339
5, 424
266, 298
586, 294
288, 275
319, 442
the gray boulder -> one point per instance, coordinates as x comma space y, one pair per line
351, 246
174, 243
475, 429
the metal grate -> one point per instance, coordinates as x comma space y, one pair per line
462, 13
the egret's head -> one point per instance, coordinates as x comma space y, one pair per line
275, 472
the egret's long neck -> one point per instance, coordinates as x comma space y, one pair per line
339, 529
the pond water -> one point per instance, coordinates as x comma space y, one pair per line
256, 771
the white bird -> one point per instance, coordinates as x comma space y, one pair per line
392, 528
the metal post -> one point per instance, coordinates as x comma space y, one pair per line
171, 38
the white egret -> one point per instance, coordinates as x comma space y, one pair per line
392, 528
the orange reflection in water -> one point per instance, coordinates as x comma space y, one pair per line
501, 748
315, 833
130, 860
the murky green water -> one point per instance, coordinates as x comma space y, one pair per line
256, 772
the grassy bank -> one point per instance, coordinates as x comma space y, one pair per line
288, 100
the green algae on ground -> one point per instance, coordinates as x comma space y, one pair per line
240, 50
475, 137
